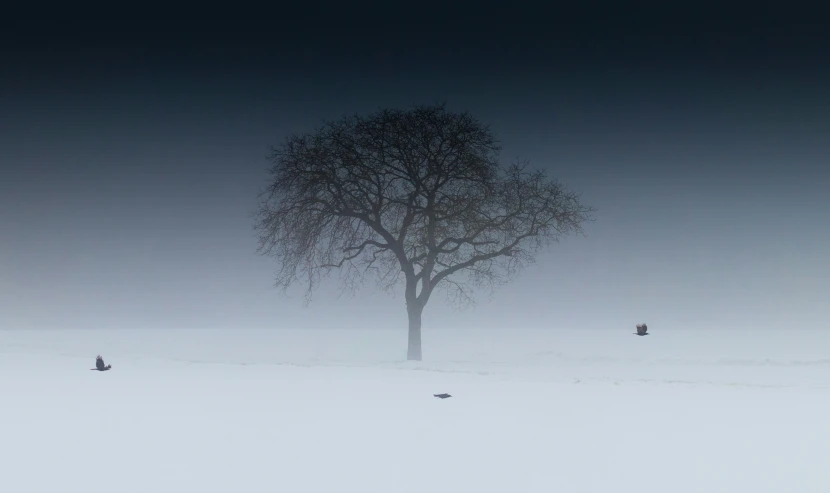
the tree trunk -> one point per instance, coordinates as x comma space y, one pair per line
413, 352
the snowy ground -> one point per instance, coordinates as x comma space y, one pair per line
334, 411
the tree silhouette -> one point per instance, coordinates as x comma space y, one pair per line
413, 198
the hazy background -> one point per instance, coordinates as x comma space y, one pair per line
131, 156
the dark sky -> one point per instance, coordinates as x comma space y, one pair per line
131, 154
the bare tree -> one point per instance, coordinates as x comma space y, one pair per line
412, 198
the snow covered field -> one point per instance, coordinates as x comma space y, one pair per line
336, 411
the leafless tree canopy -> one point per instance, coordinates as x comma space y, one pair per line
416, 197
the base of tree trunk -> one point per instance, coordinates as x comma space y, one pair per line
413, 354
413, 348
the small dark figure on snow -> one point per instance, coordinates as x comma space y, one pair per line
99, 364
642, 329
442, 396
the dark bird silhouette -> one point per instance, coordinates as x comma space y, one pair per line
642, 329
442, 396
99, 364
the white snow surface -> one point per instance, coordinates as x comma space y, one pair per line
338, 411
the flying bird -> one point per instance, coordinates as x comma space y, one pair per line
99, 364
442, 396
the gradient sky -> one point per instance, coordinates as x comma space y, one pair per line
131, 156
